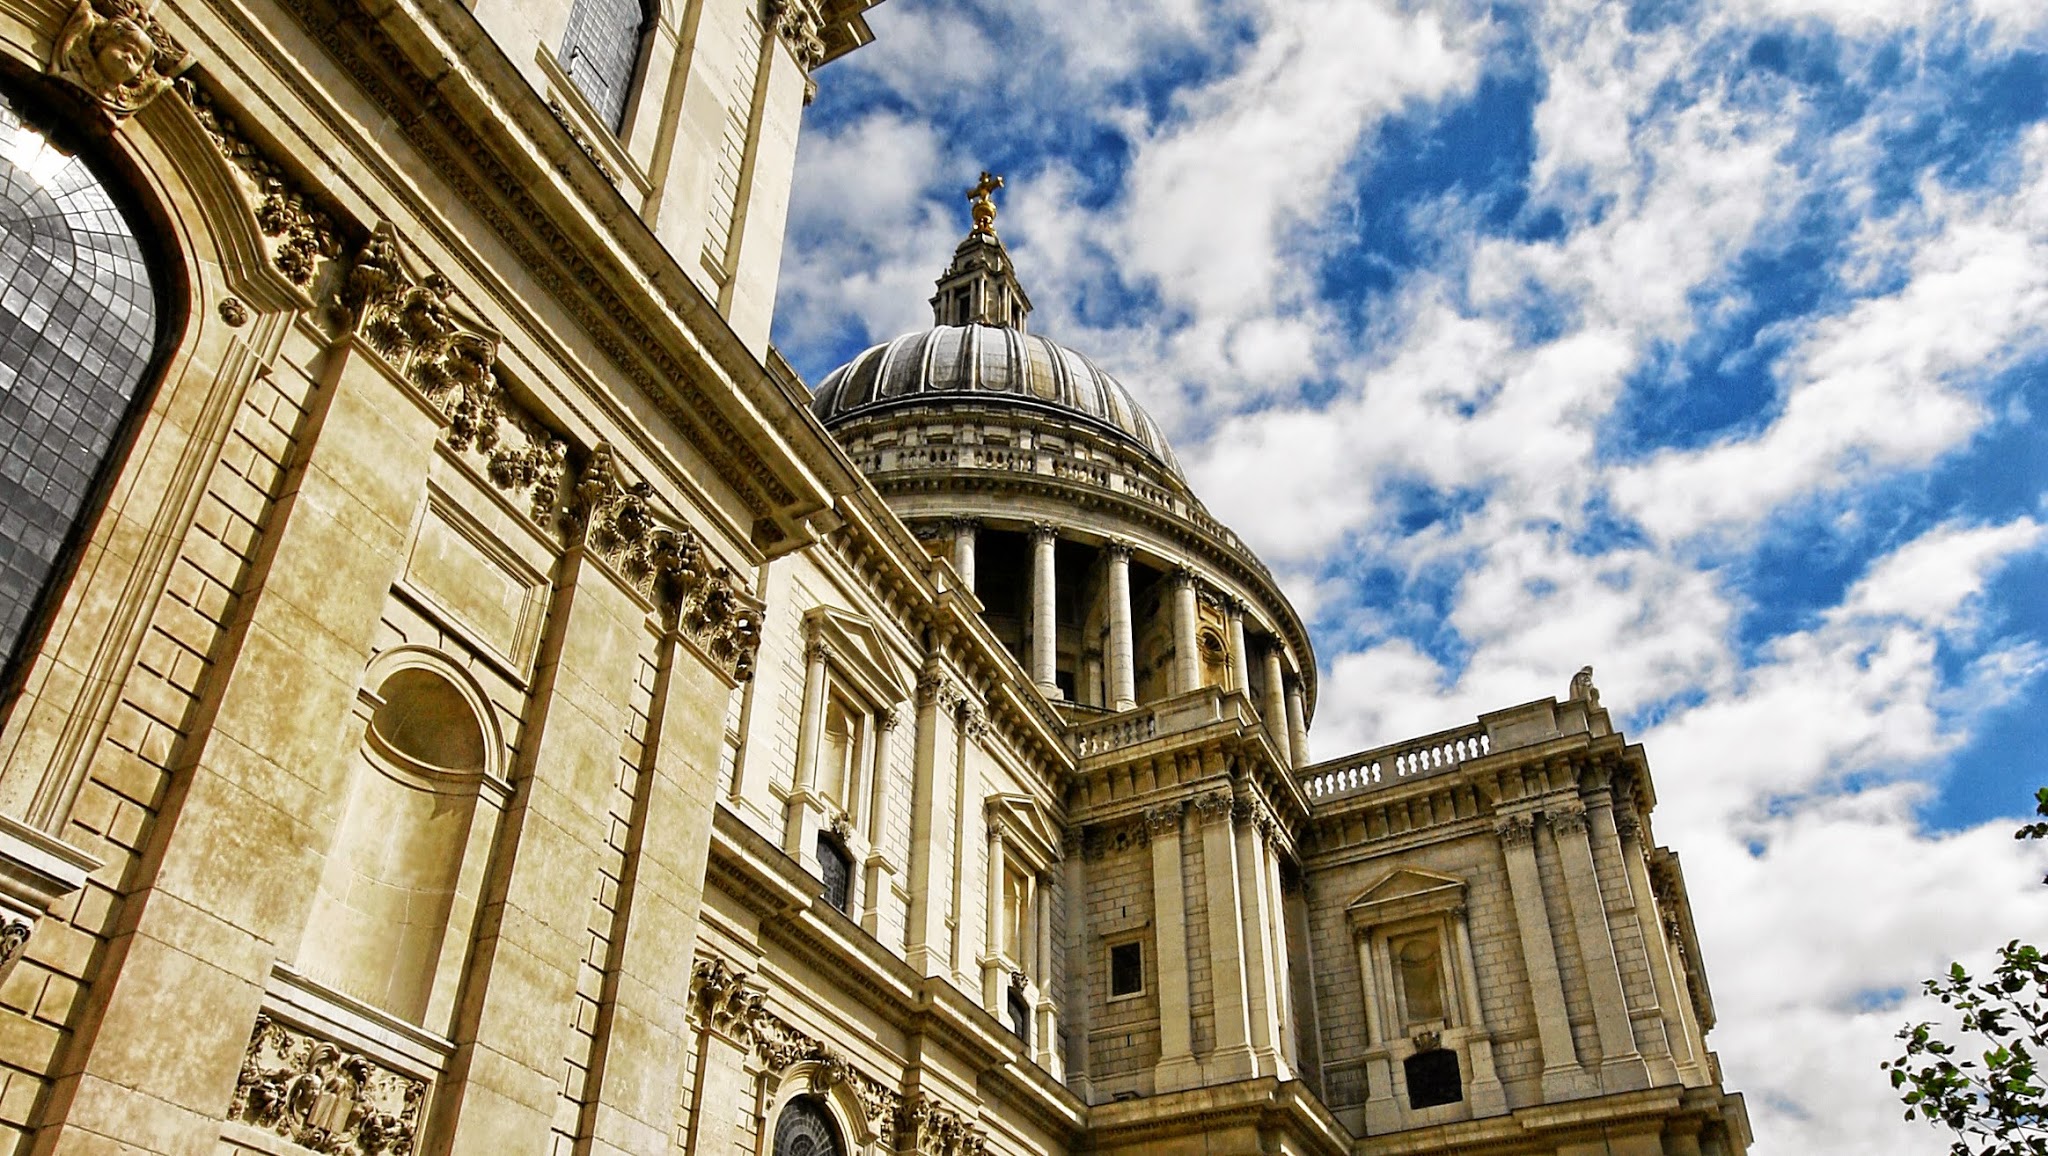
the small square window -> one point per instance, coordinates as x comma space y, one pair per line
1126, 969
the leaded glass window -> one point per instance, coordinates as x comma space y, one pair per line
806, 1129
601, 51
77, 325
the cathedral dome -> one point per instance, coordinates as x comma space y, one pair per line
989, 364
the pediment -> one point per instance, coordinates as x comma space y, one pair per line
1406, 891
1025, 823
859, 650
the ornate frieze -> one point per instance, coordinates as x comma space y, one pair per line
119, 53
301, 234
582, 140
322, 1096
929, 1128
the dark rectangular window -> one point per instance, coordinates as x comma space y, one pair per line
1126, 969
837, 868
1433, 1079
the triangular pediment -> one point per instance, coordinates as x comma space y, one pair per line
860, 650
1406, 891
1024, 821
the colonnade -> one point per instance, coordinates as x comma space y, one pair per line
1281, 704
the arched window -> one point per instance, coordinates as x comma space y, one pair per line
601, 50
806, 1129
78, 320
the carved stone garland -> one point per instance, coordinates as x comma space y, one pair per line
722, 1000
666, 562
301, 234
321, 1096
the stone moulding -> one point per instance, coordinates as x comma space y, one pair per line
302, 235
724, 999
325, 1097
36, 870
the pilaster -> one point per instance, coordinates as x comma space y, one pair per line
1562, 1076
926, 940
1233, 1058
1621, 1066
1177, 1067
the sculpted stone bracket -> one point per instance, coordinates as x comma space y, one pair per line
119, 53
722, 999
665, 561
322, 1096
301, 234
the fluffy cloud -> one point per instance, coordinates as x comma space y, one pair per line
1453, 469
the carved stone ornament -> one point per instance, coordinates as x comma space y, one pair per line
582, 140
301, 235
973, 722
1582, 689
117, 51
322, 1096
405, 313
1569, 819
929, 1128
889, 717
14, 934
722, 1000
935, 689
800, 26
1516, 830
1214, 806
666, 562
1626, 825
1161, 820
233, 312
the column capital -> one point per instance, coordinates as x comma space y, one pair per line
1184, 574
968, 525
1214, 806
1568, 819
817, 650
1044, 532
1516, 830
889, 716
1119, 549
1162, 819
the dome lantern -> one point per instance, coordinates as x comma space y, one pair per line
980, 287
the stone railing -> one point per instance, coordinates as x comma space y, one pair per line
1394, 763
1127, 729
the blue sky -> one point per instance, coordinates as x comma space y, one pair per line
1704, 341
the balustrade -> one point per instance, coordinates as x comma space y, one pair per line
1416, 757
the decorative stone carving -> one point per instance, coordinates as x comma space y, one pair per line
301, 234
233, 312
522, 454
1516, 830
889, 717
1163, 819
322, 1096
1626, 825
118, 52
1582, 689
817, 650
582, 140
14, 935
666, 562
1569, 819
973, 722
1118, 549
934, 688
1040, 531
1213, 807
929, 1128
799, 25
721, 1000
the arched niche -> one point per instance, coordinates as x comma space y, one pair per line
426, 790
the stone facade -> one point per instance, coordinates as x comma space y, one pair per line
457, 701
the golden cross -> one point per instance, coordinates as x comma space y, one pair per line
983, 203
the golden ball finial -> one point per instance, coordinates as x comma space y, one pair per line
981, 200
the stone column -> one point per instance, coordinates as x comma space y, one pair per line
1297, 724
1232, 1058
1187, 661
1562, 1077
1045, 627
926, 939
1240, 658
1628, 831
1646, 1031
1177, 1067
1621, 1067
878, 869
1123, 674
993, 979
1262, 1006
1045, 1032
963, 550
1274, 709
800, 822
1488, 1097
1074, 997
